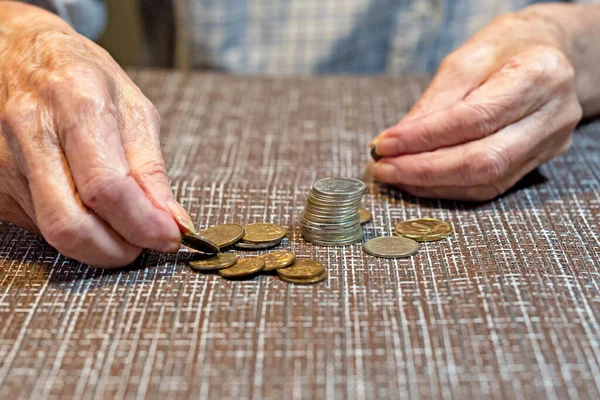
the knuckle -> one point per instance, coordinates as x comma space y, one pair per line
102, 188
452, 61
63, 231
483, 119
151, 170
18, 111
549, 66
93, 103
150, 110
486, 167
74, 74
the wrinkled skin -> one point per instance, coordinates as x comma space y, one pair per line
80, 161
498, 107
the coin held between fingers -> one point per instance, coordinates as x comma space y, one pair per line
374, 154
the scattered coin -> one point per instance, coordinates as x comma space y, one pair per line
277, 260
306, 281
243, 267
263, 232
391, 247
256, 246
365, 216
220, 261
223, 235
424, 229
199, 243
302, 269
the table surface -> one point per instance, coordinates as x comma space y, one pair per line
506, 308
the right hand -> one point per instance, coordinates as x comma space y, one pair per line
80, 158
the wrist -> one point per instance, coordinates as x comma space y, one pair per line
578, 31
549, 28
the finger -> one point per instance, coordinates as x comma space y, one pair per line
61, 217
91, 139
483, 161
459, 74
508, 96
474, 193
141, 142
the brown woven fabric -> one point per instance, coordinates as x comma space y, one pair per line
509, 307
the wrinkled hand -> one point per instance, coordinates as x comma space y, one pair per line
80, 160
499, 106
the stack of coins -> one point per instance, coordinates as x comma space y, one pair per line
330, 216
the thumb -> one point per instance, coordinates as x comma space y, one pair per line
142, 149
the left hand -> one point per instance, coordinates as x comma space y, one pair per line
499, 106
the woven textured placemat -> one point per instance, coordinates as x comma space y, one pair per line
509, 307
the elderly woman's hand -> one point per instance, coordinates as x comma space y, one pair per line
80, 160
499, 106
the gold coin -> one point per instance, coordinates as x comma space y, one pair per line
223, 235
306, 281
302, 269
199, 243
256, 246
424, 229
243, 267
220, 261
263, 232
365, 216
391, 247
277, 259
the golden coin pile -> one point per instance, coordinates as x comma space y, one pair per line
256, 236
259, 236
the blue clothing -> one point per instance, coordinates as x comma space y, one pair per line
315, 36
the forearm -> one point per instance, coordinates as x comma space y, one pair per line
577, 30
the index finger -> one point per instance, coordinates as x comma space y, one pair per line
90, 133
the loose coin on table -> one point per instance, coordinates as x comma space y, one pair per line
391, 247
223, 235
424, 229
243, 267
365, 216
263, 232
302, 269
199, 243
277, 259
220, 261
306, 281
256, 246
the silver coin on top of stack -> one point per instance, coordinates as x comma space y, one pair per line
330, 216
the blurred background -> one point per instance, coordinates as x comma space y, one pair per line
123, 37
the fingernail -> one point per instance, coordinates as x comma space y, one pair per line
385, 172
181, 216
377, 138
374, 154
389, 146
172, 247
